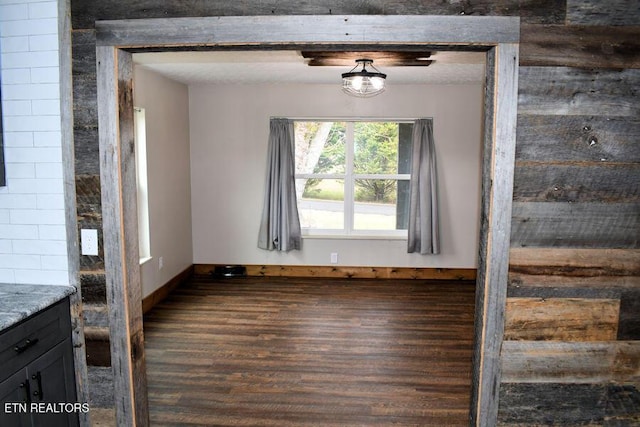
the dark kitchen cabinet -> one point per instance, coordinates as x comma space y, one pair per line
37, 381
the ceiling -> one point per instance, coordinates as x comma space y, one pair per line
249, 67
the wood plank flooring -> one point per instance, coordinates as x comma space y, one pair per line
311, 352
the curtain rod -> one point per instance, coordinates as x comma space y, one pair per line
349, 119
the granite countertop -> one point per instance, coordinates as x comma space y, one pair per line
17, 302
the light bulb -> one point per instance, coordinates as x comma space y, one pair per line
377, 83
356, 83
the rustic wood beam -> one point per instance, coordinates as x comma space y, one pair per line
322, 29
85, 13
386, 58
117, 175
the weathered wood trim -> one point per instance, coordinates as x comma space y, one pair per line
499, 35
541, 11
94, 287
553, 280
68, 170
580, 45
563, 362
573, 260
561, 404
204, 270
565, 268
481, 282
98, 348
162, 292
548, 292
596, 12
493, 262
576, 182
583, 225
317, 29
553, 138
561, 319
118, 183
629, 322
569, 91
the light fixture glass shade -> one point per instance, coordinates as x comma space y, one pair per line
363, 83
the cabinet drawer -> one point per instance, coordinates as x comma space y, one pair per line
22, 343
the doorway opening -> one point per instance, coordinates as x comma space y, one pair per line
116, 41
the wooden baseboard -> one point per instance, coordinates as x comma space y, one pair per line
161, 293
349, 272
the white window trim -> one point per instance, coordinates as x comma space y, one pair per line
348, 232
142, 190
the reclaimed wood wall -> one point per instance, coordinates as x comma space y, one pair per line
571, 351
571, 354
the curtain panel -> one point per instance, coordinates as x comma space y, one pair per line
423, 233
280, 223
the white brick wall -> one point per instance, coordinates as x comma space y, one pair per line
32, 220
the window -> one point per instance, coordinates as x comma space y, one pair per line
139, 123
352, 177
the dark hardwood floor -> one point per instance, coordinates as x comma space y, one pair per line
311, 352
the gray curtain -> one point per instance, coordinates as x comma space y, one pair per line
280, 224
424, 236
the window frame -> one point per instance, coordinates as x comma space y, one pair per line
142, 184
349, 231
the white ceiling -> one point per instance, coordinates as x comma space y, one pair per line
247, 67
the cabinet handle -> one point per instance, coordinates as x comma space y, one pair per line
27, 393
27, 343
38, 393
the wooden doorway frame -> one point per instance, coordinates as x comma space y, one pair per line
116, 40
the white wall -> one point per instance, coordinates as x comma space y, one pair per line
229, 129
33, 245
166, 105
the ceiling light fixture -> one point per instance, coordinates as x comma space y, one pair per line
363, 83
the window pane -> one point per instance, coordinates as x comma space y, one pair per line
381, 204
320, 147
321, 205
405, 134
375, 148
402, 205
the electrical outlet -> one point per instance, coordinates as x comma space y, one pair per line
160, 263
334, 257
89, 242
